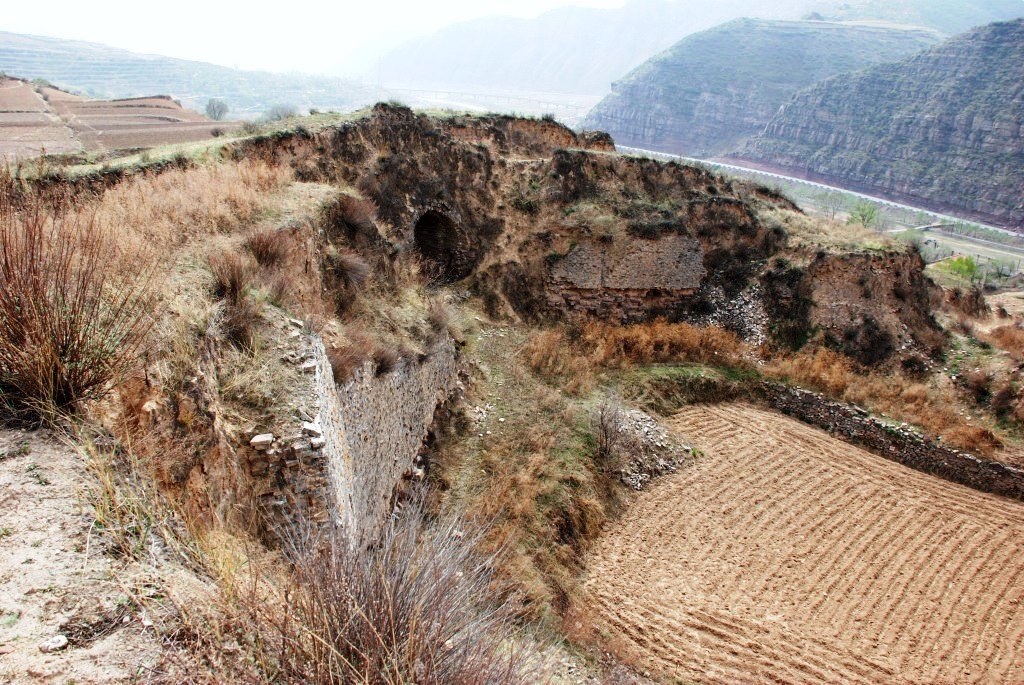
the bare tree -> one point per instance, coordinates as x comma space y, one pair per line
216, 109
279, 112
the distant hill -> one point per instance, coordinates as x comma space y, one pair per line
711, 90
104, 72
582, 50
942, 128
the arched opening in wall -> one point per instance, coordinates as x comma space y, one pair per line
438, 241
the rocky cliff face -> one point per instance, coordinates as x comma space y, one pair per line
944, 129
713, 89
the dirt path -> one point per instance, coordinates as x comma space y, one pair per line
56, 580
788, 556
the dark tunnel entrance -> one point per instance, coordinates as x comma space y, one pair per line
437, 239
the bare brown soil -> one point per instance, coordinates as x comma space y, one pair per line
787, 556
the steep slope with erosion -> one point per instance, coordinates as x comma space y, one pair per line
941, 129
712, 90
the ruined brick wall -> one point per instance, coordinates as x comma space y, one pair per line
625, 283
898, 443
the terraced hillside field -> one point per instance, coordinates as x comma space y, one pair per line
787, 556
36, 118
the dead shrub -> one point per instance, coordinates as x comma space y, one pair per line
550, 355
269, 248
357, 216
439, 319
973, 439
345, 359
280, 288
1009, 338
386, 358
233, 276
347, 269
408, 606
978, 385
1004, 399
970, 303
71, 320
606, 427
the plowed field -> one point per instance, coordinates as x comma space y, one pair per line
787, 556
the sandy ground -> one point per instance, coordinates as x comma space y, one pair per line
56, 578
787, 556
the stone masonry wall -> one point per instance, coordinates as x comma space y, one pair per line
358, 442
898, 443
386, 420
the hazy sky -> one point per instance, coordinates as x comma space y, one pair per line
305, 35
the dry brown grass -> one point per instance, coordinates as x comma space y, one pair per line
355, 215
891, 394
173, 207
1009, 338
270, 248
550, 355
72, 315
233, 278
661, 342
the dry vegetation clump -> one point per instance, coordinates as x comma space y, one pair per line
356, 215
233, 278
1009, 338
72, 314
550, 355
418, 602
408, 607
269, 248
969, 303
574, 360
661, 342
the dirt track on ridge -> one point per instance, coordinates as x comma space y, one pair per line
787, 556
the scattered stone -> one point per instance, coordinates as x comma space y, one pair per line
312, 429
317, 443
53, 644
262, 441
298, 323
308, 367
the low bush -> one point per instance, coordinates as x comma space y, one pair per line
269, 248
347, 269
356, 215
346, 358
408, 605
233, 276
71, 315
1009, 339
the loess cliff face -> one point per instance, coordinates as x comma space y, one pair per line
711, 90
545, 224
944, 129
